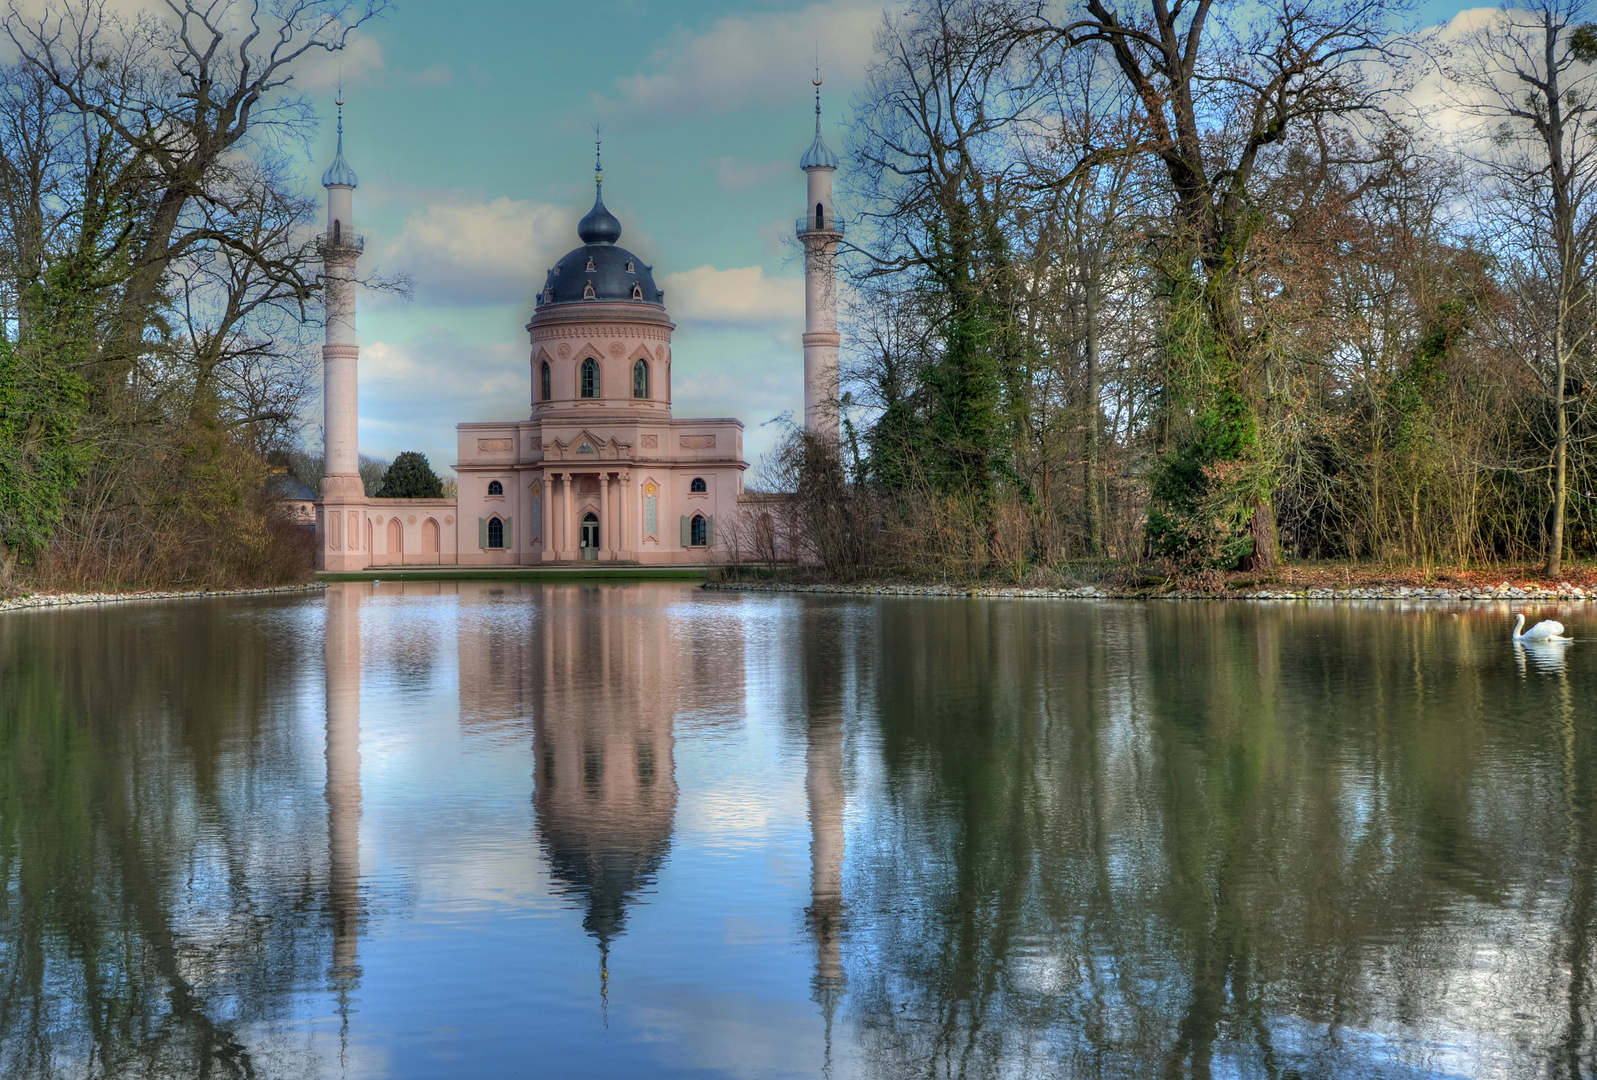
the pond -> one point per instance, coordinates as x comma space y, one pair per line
506, 829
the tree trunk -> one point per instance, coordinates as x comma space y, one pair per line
1094, 415
1555, 542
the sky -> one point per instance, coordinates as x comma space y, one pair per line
472, 137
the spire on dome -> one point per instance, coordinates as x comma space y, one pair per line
600, 226
819, 155
339, 174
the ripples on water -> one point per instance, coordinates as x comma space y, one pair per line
506, 830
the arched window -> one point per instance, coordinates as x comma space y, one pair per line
495, 488
496, 533
338, 231
637, 291
543, 382
590, 530
698, 531
820, 216
698, 484
590, 377
640, 379
587, 292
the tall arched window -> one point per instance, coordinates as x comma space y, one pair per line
698, 484
543, 382
590, 377
640, 379
698, 532
495, 488
820, 216
496, 533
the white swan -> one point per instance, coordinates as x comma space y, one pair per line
1546, 630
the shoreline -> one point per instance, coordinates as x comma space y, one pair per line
49, 600
1562, 592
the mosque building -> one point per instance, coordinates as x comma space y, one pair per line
601, 470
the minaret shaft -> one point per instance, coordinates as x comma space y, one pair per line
820, 230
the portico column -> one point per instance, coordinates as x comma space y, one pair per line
625, 498
546, 515
607, 525
570, 546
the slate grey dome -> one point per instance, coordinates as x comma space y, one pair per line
599, 271
599, 225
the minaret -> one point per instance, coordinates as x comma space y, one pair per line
820, 230
341, 544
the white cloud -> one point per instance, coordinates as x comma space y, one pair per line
358, 63
741, 175
743, 296
482, 253
1441, 106
413, 392
751, 60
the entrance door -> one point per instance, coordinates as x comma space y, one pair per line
590, 535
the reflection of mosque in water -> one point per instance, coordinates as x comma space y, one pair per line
601, 675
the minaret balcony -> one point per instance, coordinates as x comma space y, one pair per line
330, 242
819, 224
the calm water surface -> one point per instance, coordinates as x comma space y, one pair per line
506, 830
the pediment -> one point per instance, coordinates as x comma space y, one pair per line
586, 446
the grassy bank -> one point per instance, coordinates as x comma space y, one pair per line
519, 573
1107, 577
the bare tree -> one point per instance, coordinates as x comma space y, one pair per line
1528, 75
178, 94
1216, 93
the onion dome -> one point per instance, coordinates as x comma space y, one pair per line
599, 225
339, 174
819, 155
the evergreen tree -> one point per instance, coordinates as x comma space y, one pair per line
411, 477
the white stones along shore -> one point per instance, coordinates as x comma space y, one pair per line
1562, 592
47, 600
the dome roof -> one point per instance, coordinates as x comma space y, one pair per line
339, 173
819, 155
599, 270
599, 225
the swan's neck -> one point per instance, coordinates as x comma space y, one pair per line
1519, 624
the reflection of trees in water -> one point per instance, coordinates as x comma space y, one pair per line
148, 804
1197, 839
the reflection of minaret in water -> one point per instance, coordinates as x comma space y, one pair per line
823, 788
343, 662
823, 663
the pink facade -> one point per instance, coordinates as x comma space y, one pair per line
602, 472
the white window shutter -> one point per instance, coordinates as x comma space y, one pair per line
482, 533
709, 531
687, 535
